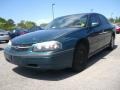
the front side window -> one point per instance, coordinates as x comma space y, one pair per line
94, 20
80, 22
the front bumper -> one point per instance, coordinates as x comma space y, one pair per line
59, 60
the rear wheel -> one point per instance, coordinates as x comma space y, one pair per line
80, 58
112, 43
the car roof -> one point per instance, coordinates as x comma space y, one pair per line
81, 14
85, 14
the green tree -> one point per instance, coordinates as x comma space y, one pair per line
112, 20
10, 25
21, 24
26, 24
2, 23
29, 24
7, 24
119, 19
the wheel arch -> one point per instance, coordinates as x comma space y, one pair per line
84, 41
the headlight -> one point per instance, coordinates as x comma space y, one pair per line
47, 46
9, 43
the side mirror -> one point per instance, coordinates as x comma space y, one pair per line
94, 24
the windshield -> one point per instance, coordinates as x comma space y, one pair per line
70, 21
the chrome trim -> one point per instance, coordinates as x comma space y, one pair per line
20, 47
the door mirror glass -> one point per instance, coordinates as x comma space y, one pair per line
95, 21
94, 24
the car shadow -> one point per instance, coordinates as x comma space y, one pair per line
0, 47
101, 55
57, 75
49, 75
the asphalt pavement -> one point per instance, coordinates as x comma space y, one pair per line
102, 73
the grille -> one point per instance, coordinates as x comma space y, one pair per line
21, 47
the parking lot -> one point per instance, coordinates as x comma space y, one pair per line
102, 73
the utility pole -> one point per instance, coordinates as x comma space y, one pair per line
53, 10
91, 10
112, 15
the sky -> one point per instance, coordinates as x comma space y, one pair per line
40, 11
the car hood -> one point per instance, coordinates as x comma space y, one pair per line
40, 36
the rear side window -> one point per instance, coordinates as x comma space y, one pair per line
94, 20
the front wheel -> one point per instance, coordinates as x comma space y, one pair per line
80, 58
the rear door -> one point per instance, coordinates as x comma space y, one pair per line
96, 33
107, 29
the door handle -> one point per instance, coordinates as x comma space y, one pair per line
103, 33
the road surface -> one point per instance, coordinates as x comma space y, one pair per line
102, 73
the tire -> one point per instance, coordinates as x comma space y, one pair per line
112, 43
80, 58
117, 32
